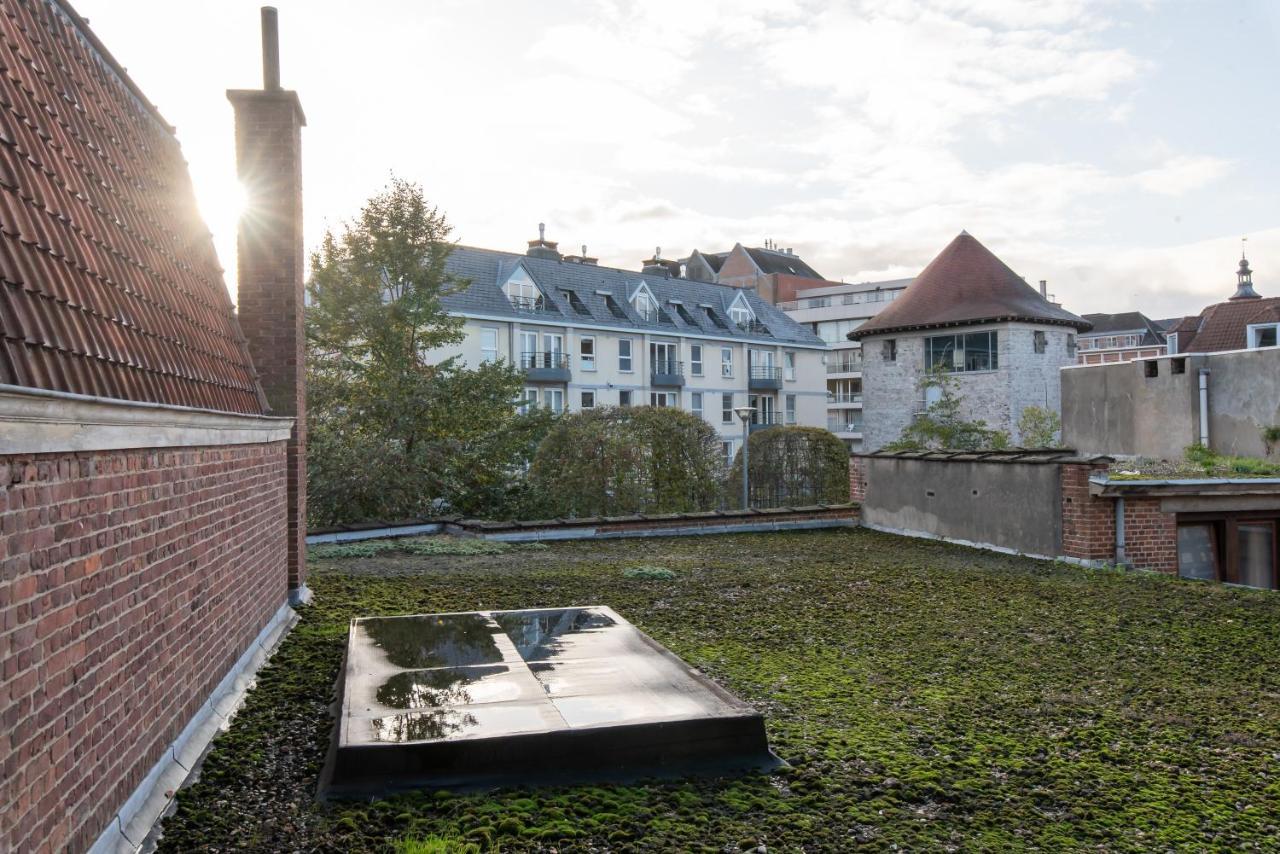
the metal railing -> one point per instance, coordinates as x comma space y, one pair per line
765, 419
531, 305
668, 367
548, 359
840, 425
844, 397
845, 365
765, 372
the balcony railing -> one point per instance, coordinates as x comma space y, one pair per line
841, 425
844, 397
764, 377
753, 327
666, 372
547, 366
845, 365
761, 420
532, 305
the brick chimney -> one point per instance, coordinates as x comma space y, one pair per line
269, 257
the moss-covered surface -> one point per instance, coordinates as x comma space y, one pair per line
926, 696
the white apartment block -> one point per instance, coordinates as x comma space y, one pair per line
831, 312
589, 336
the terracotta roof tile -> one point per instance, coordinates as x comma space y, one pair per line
966, 284
109, 284
1224, 325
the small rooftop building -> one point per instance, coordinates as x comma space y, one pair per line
971, 315
1119, 338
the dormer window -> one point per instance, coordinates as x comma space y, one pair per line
1263, 335
645, 305
740, 313
523, 293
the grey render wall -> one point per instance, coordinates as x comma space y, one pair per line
1014, 506
1118, 409
891, 393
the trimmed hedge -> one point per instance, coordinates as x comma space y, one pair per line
612, 461
793, 466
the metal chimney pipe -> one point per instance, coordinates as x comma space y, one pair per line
270, 49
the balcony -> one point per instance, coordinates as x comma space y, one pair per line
847, 364
765, 420
666, 372
764, 378
844, 398
547, 367
844, 426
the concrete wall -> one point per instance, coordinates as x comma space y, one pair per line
1119, 409
1010, 505
1024, 378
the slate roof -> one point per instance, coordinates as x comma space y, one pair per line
715, 260
966, 284
488, 269
1127, 321
1224, 325
773, 261
110, 282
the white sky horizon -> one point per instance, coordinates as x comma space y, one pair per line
1117, 149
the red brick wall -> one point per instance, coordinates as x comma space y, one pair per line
1150, 536
130, 583
1088, 523
857, 479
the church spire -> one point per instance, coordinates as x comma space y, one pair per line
1244, 280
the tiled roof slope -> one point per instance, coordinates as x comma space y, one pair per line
773, 261
1224, 325
966, 284
488, 269
1128, 321
110, 282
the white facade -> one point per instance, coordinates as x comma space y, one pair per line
833, 312
596, 365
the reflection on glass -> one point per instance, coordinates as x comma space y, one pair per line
423, 689
451, 640
421, 726
537, 635
1257, 554
1196, 554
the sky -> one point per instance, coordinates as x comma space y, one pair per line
1120, 150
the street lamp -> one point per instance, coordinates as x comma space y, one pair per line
745, 413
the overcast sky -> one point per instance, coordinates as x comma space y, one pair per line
1120, 150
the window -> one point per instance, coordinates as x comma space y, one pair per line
889, 350
695, 359
1263, 335
662, 398
552, 355
726, 361
791, 409
528, 349
1172, 341
587, 351
624, 398
684, 314
695, 403
576, 303
836, 331
789, 366
713, 317
1238, 548
528, 399
522, 293
1039, 340
624, 355
973, 351
614, 308
739, 313
645, 305
663, 358
553, 399
588, 400
488, 344
1151, 369
726, 409
727, 449
818, 302
1071, 345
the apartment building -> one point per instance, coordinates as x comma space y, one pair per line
588, 335
831, 312
1119, 338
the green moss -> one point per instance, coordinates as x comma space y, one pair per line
422, 546
926, 696
660, 573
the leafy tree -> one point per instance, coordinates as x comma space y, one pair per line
793, 466
393, 431
1039, 427
940, 426
610, 461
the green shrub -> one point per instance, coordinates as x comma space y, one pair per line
435, 845
648, 572
1039, 427
417, 546
793, 466
1271, 437
613, 461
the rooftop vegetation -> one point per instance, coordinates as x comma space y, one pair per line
1198, 462
926, 697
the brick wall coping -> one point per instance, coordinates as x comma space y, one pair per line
38, 421
1101, 484
714, 521
1020, 456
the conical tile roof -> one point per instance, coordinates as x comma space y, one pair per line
966, 284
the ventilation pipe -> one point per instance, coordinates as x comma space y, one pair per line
1204, 407
1120, 556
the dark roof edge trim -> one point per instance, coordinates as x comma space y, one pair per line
1039, 321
